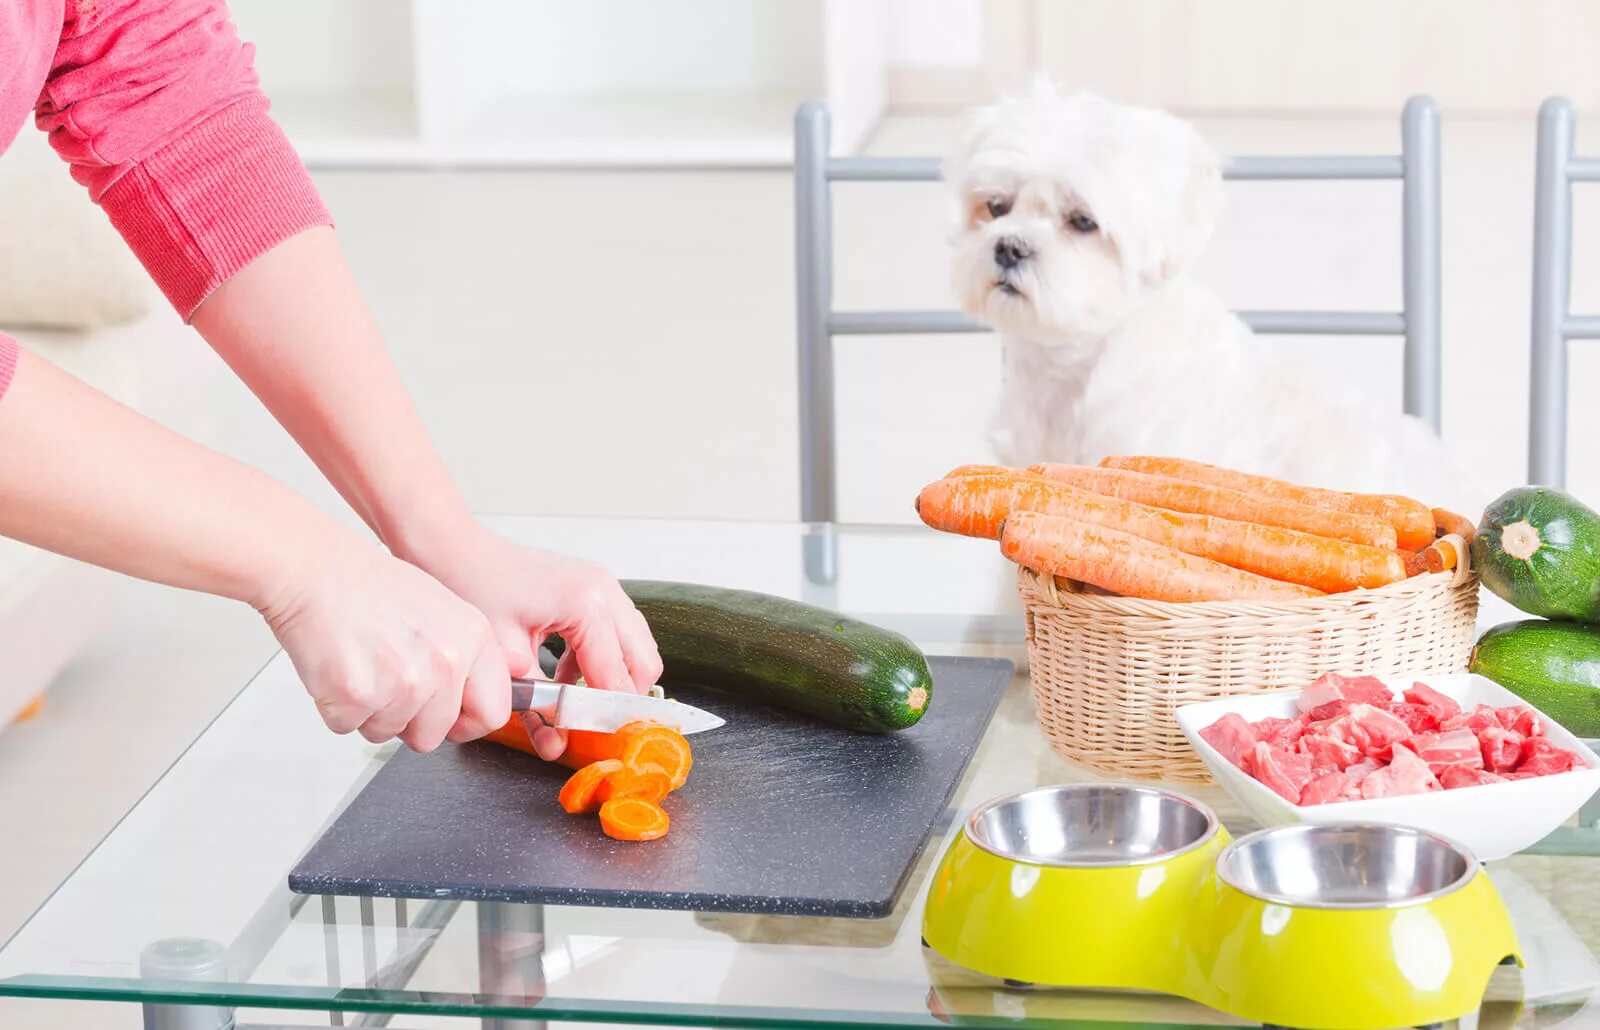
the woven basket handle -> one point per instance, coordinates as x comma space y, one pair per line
1463, 569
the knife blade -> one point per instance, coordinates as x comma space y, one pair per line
569, 706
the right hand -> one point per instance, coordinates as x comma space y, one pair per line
385, 649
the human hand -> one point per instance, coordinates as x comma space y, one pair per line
529, 594
385, 649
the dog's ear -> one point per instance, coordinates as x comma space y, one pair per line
1195, 211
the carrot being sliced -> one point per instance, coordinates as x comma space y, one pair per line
514, 734
637, 744
633, 819
648, 781
1412, 522
1130, 565
581, 793
977, 505
1204, 499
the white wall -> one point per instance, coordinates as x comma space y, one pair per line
936, 33
318, 45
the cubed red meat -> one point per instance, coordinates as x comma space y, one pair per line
1441, 706
1279, 732
1480, 718
1323, 690
1419, 717
1362, 769
1520, 718
1460, 776
1542, 758
1405, 774
1232, 736
1328, 788
1443, 750
1328, 753
1323, 713
1285, 772
1332, 687
1502, 748
1370, 729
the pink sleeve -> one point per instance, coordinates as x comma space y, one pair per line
156, 106
8, 362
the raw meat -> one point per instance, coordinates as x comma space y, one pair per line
1477, 720
1328, 753
1442, 707
1445, 750
1522, 719
1328, 788
1502, 749
1542, 758
1362, 769
1461, 776
1331, 710
1331, 687
1285, 772
1405, 774
1371, 729
1279, 732
1417, 716
1232, 736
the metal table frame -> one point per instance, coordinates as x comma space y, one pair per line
815, 170
1556, 170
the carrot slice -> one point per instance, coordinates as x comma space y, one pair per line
1204, 499
1412, 521
648, 781
633, 819
638, 744
977, 505
1129, 565
581, 793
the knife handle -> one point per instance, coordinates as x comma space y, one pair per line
540, 697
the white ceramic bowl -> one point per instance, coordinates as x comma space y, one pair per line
1494, 820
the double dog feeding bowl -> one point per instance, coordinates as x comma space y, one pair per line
1112, 886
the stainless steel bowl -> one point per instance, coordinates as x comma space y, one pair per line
1346, 866
1091, 825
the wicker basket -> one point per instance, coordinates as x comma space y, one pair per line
1108, 672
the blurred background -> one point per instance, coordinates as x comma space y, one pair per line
575, 225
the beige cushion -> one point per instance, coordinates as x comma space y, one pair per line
61, 263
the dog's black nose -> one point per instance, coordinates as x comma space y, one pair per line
1011, 252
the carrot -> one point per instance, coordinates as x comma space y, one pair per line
1412, 522
648, 781
978, 504
1416, 563
1204, 499
1443, 554
580, 795
1130, 565
1448, 522
638, 744
983, 470
633, 819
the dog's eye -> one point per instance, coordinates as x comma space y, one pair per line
998, 206
1082, 222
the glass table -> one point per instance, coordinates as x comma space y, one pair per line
184, 906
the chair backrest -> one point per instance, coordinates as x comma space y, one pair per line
815, 170
1553, 324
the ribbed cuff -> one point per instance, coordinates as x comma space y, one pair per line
213, 200
8, 362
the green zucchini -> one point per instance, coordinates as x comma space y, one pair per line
1540, 549
787, 654
1554, 666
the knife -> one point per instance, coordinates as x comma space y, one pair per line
569, 706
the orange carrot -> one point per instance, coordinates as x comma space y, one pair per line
1443, 554
978, 505
1130, 565
638, 744
514, 734
1415, 561
633, 819
1204, 499
1448, 522
983, 470
580, 795
648, 781
1412, 522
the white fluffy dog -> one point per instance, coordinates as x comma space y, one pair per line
1080, 220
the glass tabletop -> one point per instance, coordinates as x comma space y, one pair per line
203, 859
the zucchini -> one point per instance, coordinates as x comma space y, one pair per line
1540, 549
784, 653
1554, 666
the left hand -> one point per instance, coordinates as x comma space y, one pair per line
528, 595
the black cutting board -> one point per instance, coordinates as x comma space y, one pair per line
782, 814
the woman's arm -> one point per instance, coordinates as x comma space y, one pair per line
380, 645
294, 327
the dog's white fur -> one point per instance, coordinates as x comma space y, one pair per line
1110, 347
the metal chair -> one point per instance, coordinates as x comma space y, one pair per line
1553, 322
815, 170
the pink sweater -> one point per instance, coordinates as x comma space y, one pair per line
156, 106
